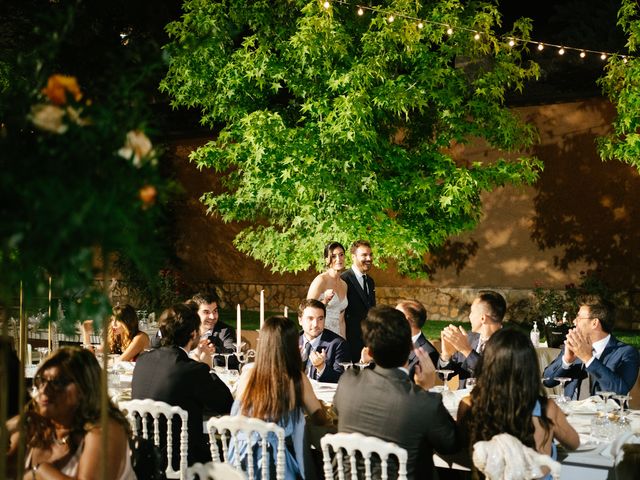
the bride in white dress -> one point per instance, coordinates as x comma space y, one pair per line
331, 290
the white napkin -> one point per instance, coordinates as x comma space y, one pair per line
615, 451
590, 405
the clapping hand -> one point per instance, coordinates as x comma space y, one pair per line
318, 359
578, 345
425, 372
456, 338
205, 350
328, 295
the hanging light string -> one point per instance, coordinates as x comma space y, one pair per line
477, 34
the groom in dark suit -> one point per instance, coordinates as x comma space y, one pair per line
168, 374
361, 293
322, 350
384, 403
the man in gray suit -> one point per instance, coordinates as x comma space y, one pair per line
383, 402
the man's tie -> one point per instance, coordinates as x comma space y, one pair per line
585, 384
305, 355
365, 287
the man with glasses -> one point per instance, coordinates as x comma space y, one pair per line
591, 357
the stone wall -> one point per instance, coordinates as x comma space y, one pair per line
449, 304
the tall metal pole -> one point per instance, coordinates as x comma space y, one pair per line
21, 386
50, 344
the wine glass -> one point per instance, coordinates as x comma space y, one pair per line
624, 425
226, 360
362, 365
470, 383
43, 351
445, 375
345, 365
562, 398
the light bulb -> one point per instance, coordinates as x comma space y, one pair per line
583, 54
540, 46
391, 18
326, 5
360, 11
476, 36
512, 42
449, 31
561, 51
624, 59
420, 25
603, 56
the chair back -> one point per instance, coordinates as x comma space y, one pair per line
214, 471
228, 428
353, 443
143, 409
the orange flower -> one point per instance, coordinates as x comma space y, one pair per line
148, 195
59, 85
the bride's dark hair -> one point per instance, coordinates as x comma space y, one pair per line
507, 388
329, 248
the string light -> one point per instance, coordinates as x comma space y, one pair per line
391, 16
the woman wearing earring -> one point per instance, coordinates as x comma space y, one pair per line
331, 290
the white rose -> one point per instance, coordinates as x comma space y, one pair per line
137, 146
48, 118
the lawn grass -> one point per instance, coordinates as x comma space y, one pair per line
431, 329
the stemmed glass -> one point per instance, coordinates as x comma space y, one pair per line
624, 424
346, 365
445, 375
226, 360
562, 398
362, 365
606, 430
43, 351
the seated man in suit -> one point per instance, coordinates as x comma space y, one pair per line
322, 350
215, 336
461, 350
416, 315
593, 358
168, 374
384, 403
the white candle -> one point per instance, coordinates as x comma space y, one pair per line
238, 332
261, 308
286, 311
29, 358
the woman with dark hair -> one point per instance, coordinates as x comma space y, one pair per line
62, 424
508, 398
275, 390
124, 337
331, 290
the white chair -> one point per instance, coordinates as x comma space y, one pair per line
214, 471
352, 443
144, 408
247, 426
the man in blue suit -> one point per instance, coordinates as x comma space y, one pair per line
322, 350
416, 315
592, 357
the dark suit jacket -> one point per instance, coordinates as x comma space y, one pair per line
383, 403
428, 348
168, 374
337, 352
615, 371
359, 305
463, 366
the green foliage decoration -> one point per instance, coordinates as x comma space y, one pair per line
621, 83
79, 179
338, 126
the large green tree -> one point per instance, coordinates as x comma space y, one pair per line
621, 83
339, 124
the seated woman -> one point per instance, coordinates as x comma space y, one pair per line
275, 390
124, 337
62, 423
508, 398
